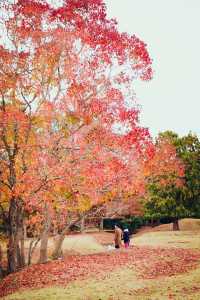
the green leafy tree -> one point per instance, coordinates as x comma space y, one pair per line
172, 200
188, 150
166, 201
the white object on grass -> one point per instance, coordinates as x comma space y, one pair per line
110, 247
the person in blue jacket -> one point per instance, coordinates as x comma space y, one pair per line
126, 238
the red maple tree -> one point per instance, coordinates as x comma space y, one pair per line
66, 75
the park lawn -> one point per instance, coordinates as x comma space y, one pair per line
80, 244
175, 239
125, 282
97, 242
186, 224
73, 244
122, 284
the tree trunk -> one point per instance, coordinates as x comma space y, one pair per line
32, 247
43, 248
58, 244
101, 225
1, 272
1, 269
82, 224
21, 244
15, 253
157, 222
25, 231
45, 236
175, 224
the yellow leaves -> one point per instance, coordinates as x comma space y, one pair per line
84, 203
109, 196
72, 201
72, 119
5, 197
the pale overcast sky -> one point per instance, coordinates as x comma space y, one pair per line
172, 31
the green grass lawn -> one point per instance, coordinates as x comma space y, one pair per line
123, 283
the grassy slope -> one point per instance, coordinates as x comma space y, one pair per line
184, 224
73, 244
178, 239
82, 244
123, 284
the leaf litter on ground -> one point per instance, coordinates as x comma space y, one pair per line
149, 263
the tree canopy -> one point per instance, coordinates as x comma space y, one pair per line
180, 197
69, 130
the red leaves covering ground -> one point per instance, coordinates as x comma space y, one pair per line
149, 262
166, 262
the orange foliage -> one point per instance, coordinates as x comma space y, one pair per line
60, 101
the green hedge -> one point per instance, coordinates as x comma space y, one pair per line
109, 224
132, 223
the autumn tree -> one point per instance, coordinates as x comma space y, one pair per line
188, 150
66, 89
165, 180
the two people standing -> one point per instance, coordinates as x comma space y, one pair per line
119, 236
